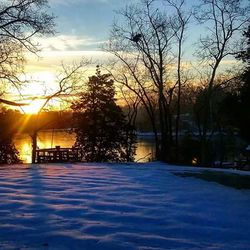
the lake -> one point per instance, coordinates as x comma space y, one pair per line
52, 138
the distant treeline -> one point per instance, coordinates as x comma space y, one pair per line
24, 123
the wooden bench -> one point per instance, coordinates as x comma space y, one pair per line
57, 154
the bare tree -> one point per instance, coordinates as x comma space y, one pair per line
68, 85
144, 42
131, 104
225, 20
179, 24
20, 22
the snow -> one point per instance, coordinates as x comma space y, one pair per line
111, 206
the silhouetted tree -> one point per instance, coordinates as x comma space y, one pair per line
67, 84
8, 152
219, 126
145, 41
102, 133
225, 20
236, 105
20, 22
244, 55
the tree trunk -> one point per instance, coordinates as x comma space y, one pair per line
34, 146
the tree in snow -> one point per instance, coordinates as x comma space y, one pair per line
103, 134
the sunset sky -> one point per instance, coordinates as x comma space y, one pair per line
82, 27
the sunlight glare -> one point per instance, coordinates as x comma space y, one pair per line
34, 106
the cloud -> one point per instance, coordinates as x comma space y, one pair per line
52, 60
74, 2
69, 43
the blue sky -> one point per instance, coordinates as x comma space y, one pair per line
88, 20
85, 24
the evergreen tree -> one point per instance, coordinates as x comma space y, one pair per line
244, 97
102, 132
236, 105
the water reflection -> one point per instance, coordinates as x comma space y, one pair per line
52, 138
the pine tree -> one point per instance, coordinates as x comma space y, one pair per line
102, 132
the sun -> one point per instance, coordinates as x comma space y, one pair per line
34, 106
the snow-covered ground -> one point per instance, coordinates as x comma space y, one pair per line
105, 206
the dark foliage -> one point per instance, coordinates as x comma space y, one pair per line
236, 105
244, 97
189, 150
8, 152
103, 134
244, 55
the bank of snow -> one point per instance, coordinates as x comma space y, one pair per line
102, 206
